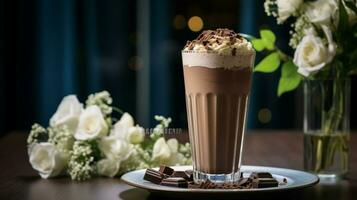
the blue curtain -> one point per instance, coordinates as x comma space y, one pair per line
155, 84
56, 51
284, 113
62, 47
83, 47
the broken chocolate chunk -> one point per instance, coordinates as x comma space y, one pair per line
244, 182
255, 175
166, 170
175, 182
189, 174
153, 176
184, 179
265, 183
181, 174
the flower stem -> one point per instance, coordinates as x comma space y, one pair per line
117, 110
333, 143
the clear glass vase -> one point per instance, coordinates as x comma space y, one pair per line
326, 126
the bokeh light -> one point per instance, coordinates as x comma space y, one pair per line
264, 115
179, 22
135, 63
195, 23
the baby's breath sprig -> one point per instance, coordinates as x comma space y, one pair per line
271, 8
37, 134
156, 133
299, 27
81, 164
61, 137
159, 129
103, 100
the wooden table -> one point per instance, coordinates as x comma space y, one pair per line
270, 148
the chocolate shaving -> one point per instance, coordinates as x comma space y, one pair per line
184, 179
206, 36
234, 51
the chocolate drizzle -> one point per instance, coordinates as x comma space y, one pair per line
219, 36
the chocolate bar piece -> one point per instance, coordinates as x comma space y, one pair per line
184, 179
265, 183
166, 170
181, 174
260, 175
244, 182
189, 174
153, 176
175, 182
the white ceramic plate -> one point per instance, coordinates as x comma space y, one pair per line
295, 180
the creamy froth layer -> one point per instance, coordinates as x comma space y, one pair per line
214, 60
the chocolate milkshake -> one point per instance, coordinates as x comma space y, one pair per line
217, 71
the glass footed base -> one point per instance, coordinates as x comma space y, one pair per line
200, 177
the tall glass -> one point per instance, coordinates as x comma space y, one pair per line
216, 102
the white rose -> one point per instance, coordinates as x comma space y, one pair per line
286, 8
67, 113
161, 151
108, 167
47, 160
115, 148
311, 54
173, 144
121, 128
321, 11
91, 124
135, 135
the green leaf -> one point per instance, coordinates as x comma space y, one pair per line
290, 78
258, 44
343, 18
268, 38
269, 63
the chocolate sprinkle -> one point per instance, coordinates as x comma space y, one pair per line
206, 36
234, 51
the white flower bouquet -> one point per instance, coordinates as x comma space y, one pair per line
84, 142
323, 37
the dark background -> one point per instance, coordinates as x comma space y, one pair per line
131, 48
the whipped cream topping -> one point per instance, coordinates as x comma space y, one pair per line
214, 60
221, 41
